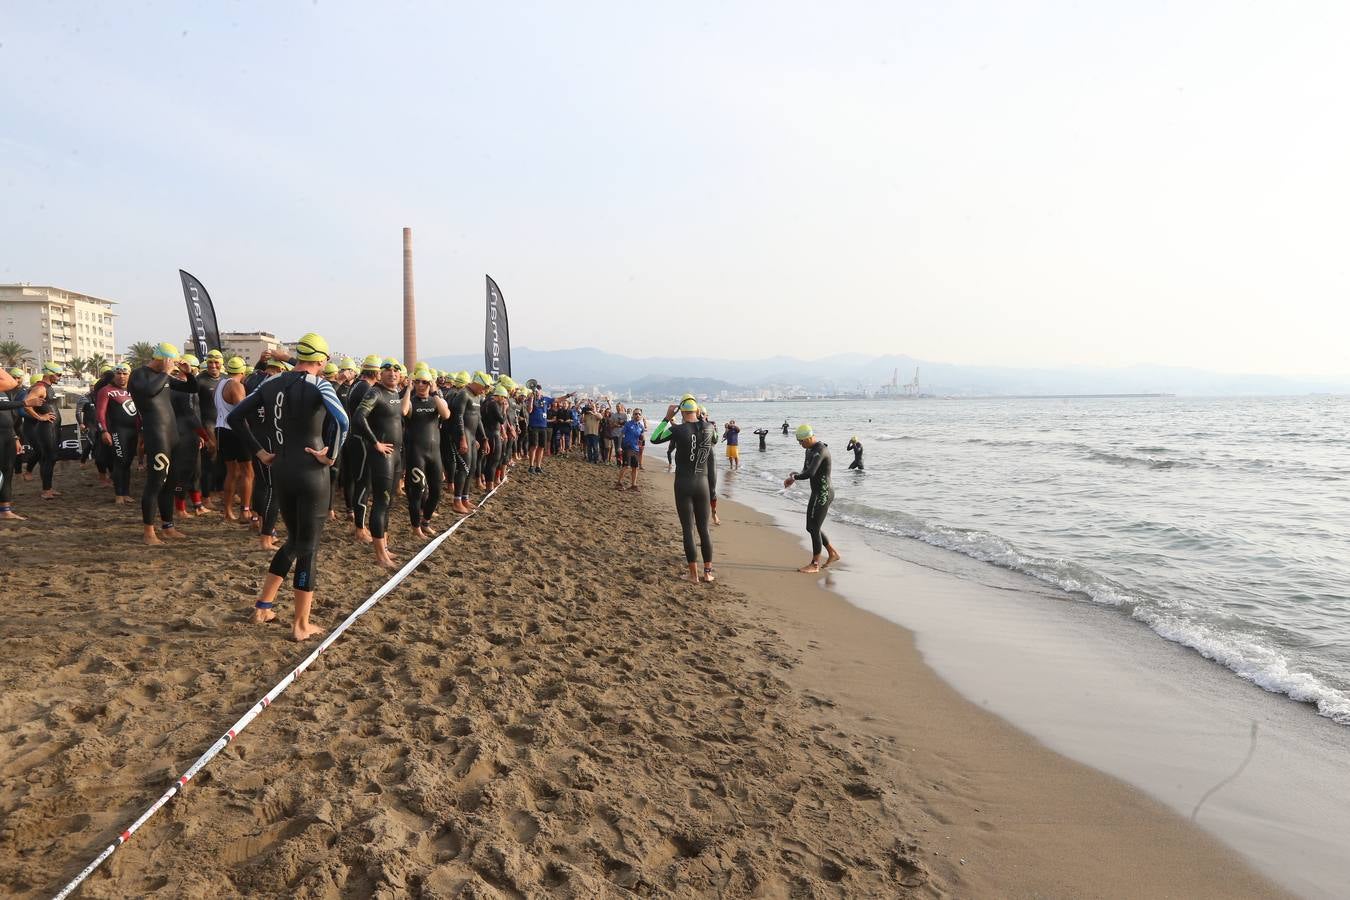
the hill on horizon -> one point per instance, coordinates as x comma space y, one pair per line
852, 372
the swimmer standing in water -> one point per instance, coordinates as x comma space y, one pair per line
815, 468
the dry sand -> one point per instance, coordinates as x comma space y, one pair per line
540, 709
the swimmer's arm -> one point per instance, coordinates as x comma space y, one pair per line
338, 415
442, 408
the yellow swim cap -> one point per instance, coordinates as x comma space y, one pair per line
164, 350
460, 378
215, 354
192, 361
371, 363
804, 432
311, 348
482, 378
500, 391
347, 365
106, 367
124, 368
51, 368
235, 365
330, 370
689, 405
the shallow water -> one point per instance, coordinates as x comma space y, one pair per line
1221, 524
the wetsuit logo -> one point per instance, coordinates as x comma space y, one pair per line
418, 476
161, 462
129, 407
276, 418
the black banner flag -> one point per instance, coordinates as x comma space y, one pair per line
497, 336
201, 317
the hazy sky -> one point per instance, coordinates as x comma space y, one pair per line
1011, 183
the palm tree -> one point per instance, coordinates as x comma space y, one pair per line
14, 354
77, 366
96, 363
140, 353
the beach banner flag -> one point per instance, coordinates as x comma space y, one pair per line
497, 336
201, 316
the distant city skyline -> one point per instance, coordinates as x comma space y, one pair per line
980, 183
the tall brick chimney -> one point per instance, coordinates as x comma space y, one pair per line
409, 306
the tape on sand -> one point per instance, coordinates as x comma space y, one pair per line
237, 728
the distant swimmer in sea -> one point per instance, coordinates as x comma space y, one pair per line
816, 469
785, 426
856, 446
762, 433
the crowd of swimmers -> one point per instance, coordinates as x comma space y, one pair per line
286, 436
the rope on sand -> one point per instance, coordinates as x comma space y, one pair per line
237, 728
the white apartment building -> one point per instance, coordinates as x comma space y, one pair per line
56, 324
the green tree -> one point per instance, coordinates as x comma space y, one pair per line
14, 354
140, 353
96, 364
77, 366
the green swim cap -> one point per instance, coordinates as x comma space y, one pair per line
460, 378
16, 372
500, 391
685, 397
51, 368
165, 350
191, 360
400, 369
125, 368
482, 378
388, 363
215, 354
347, 365
371, 363
235, 365
105, 368
804, 432
690, 405
311, 348
330, 369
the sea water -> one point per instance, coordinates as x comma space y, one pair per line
1221, 524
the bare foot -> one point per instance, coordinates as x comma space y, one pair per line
268, 544
387, 562
708, 576
834, 558
717, 520
174, 534
152, 539
261, 616
11, 516
304, 633
27, 476
693, 579
363, 535
809, 568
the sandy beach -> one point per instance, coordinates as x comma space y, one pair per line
540, 709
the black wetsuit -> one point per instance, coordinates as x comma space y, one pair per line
9, 423
212, 461
494, 417
467, 409
785, 428
187, 461
304, 412
355, 454
41, 438
116, 413
379, 419
817, 469
159, 432
693, 447
422, 458
450, 431
762, 433
856, 447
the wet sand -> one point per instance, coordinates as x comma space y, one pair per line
569, 720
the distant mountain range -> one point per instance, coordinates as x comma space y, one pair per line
853, 373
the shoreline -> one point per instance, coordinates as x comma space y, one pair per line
1105, 692
1001, 813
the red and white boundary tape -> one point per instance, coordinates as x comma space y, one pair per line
237, 728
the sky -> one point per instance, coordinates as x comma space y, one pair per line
1028, 184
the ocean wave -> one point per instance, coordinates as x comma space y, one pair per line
1245, 655
895, 437
1125, 459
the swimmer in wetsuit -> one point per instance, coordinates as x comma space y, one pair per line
42, 427
466, 408
423, 412
356, 454
785, 426
762, 433
693, 446
816, 468
378, 419
304, 407
856, 446
187, 461
150, 386
116, 414
10, 443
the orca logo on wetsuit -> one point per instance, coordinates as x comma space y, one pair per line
129, 407
161, 462
276, 417
418, 476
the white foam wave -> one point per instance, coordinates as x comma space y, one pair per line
1244, 654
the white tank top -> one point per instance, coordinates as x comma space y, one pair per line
223, 408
